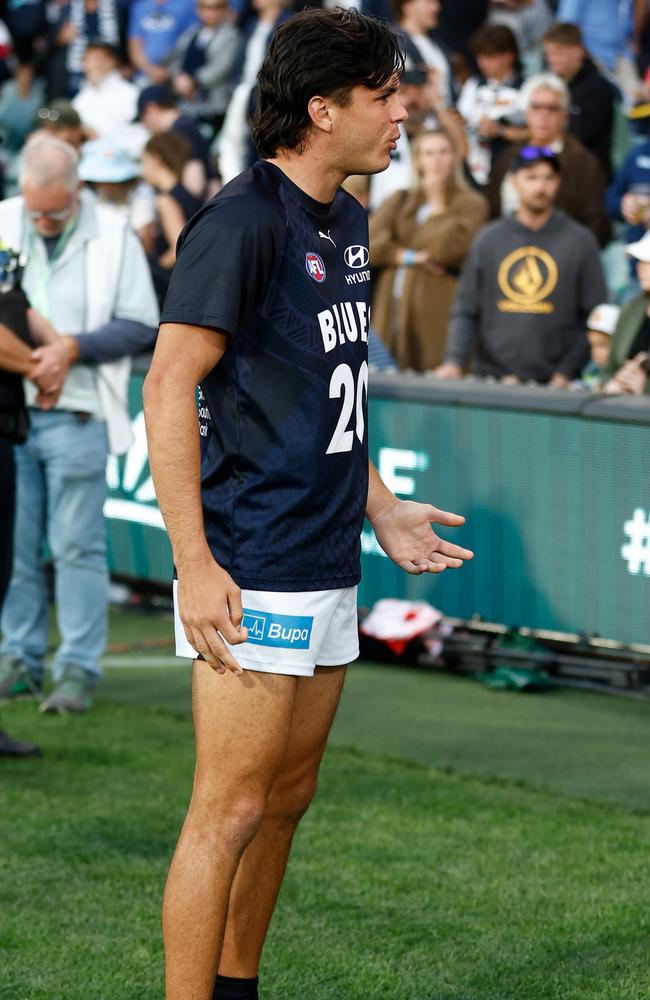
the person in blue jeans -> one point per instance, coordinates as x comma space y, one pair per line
61, 488
87, 274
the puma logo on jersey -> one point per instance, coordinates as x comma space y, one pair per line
326, 236
344, 321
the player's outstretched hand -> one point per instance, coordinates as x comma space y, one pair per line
405, 534
209, 604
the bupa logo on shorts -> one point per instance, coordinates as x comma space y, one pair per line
315, 267
356, 257
287, 631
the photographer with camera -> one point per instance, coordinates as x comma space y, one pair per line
20, 330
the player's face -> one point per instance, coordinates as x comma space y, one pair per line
366, 130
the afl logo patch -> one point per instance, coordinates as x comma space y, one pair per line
315, 267
356, 257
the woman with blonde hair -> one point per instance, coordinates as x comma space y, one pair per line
420, 238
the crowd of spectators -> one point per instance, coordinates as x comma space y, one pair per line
158, 97
520, 194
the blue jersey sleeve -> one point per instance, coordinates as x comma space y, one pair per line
225, 258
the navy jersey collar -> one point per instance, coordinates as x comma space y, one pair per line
311, 204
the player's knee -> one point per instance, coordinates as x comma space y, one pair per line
291, 799
231, 820
240, 821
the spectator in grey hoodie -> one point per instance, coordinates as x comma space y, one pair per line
527, 287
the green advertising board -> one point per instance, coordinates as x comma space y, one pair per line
555, 488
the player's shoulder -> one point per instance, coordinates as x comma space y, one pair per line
249, 203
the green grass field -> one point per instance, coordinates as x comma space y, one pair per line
464, 845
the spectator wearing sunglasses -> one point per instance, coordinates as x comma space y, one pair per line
203, 62
62, 121
85, 270
581, 193
527, 287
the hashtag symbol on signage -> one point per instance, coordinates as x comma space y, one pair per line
636, 552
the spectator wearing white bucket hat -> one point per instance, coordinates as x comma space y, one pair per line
115, 177
626, 368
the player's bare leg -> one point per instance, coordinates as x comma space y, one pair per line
242, 726
261, 869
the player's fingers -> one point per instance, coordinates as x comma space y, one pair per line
220, 655
446, 561
197, 642
235, 609
408, 566
234, 634
424, 565
454, 551
445, 517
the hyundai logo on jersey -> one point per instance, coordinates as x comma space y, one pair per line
315, 267
268, 629
356, 256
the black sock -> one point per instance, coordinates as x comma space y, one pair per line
231, 988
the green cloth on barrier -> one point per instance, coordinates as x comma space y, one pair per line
507, 678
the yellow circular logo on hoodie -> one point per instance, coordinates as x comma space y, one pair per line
526, 277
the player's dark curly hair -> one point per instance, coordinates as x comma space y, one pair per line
319, 52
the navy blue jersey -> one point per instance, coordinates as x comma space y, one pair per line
284, 469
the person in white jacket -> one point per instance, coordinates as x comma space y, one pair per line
86, 272
106, 102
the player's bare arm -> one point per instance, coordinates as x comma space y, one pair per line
209, 599
403, 529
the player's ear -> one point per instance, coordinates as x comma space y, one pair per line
319, 112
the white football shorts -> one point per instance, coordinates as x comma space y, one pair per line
290, 633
